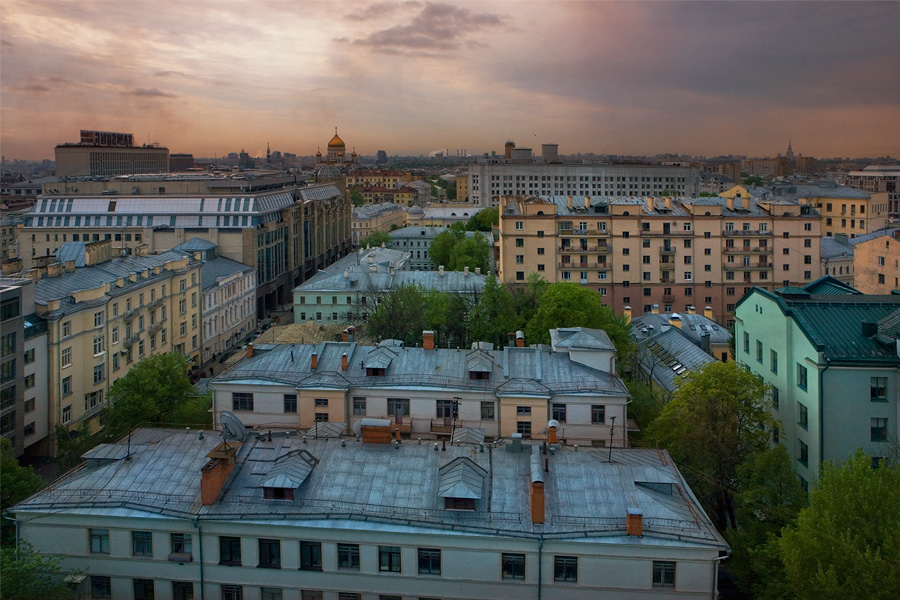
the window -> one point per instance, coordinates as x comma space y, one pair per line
101, 587
565, 568
359, 406
520, 242
389, 558
98, 319
67, 414
290, 403
242, 401
524, 427
598, 414
29, 381
520, 275
429, 561
99, 539
663, 574
487, 411
232, 592
540, 251
801, 377
559, 412
878, 389
804, 453
269, 553
182, 590
67, 357
519, 225
99, 373
512, 566
775, 399
321, 417
398, 407
802, 416
268, 593
29, 356
759, 351
141, 543
348, 556
879, 430
310, 556
321, 402
67, 329
773, 361
181, 543
230, 551
115, 335
143, 589
523, 411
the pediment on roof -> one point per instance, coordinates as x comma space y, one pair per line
520, 386
379, 358
479, 361
327, 380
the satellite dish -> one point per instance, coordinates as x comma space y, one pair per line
232, 427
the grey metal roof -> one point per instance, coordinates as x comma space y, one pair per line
468, 435
196, 244
514, 370
668, 355
891, 231
218, 268
371, 210
580, 338
693, 326
364, 281
373, 486
833, 248
72, 251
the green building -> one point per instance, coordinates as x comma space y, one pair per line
830, 354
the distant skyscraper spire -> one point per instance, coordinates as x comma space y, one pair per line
790, 151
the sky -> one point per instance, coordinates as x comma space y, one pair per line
412, 77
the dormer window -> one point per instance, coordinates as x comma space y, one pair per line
375, 372
273, 493
479, 375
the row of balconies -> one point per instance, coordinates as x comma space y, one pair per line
745, 250
584, 265
602, 249
746, 233
681, 233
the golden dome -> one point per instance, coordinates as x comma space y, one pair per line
336, 142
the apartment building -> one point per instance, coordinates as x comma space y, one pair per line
384, 178
285, 230
668, 253
417, 241
305, 517
837, 257
876, 262
375, 217
103, 153
229, 299
879, 178
103, 314
490, 180
830, 355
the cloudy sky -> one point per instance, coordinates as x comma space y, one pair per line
409, 77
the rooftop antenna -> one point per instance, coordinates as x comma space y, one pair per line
232, 428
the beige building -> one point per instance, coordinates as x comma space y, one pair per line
284, 230
462, 188
876, 262
663, 252
375, 217
104, 314
103, 154
879, 178
378, 178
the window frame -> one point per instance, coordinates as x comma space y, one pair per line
310, 556
230, 550
429, 561
664, 574
349, 553
565, 569
389, 559
142, 543
512, 566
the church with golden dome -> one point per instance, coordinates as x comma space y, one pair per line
337, 153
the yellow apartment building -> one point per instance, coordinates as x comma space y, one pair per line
104, 314
663, 254
876, 262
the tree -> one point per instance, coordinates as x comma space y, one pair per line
484, 220
473, 252
716, 419
375, 239
356, 197
494, 315
571, 305
400, 315
769, 499
16, 482
442, 246
28, 575
847, 543
526, 298
156, 391
753, 180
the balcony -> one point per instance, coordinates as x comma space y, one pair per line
582, 232
131, 339
157, 303
758, 266
583, 265
131, 314
676, 233
442, 425
745, 250
667, 250
601, 249
746, 233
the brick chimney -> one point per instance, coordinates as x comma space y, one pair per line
627, 314
537, 486
675, 320
520, 339
428, 340
345, 336
708, 313
344, 362
634, 522
314, 361
250, 350
215, 472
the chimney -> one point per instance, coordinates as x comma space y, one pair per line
250, 350
708, 313
120, 282
198, 256
537, 486
729, 203
511, 339
466, 271
570, 202
675, 320
520, 339
54, 270
441, 270
627, 314
344, 362
345, 336
478, 270
215, 472
704, 342
70, 266
691, 310
392, 270
428, 340
650, 203
314, 361
346, 273
668, 200
350, 331
634, 522
552, 438
654, 309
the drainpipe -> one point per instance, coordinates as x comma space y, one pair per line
715, 562
540, 565
821, 414
200, 552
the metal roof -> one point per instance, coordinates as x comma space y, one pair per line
218, 268
581, 338
668, 355
693, 326
389, 486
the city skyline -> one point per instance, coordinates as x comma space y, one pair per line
414, 77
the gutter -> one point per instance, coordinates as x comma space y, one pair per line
196, 522
821, 412
540, 566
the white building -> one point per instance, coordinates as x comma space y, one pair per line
177, 514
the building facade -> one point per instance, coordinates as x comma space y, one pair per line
104, 154
837, 258
107, 314
284, 230
492, 179
876, 262
375, 217
879, 178
830, 356
280, 517
665, 252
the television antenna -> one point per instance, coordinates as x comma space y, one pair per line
232, 427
